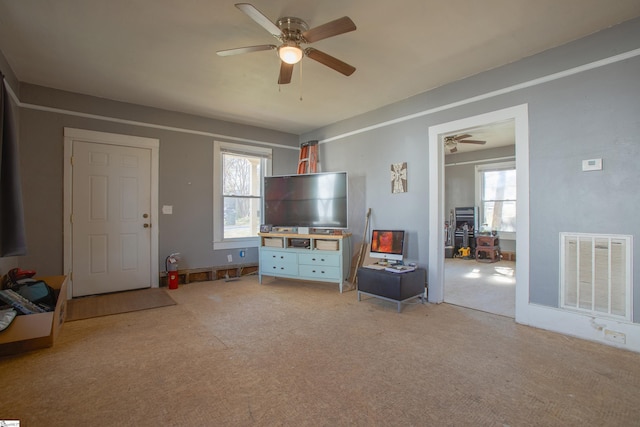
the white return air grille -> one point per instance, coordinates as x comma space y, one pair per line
595, 274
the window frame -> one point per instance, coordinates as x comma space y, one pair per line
488, 167
219, 242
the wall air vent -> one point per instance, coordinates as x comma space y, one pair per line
596, 274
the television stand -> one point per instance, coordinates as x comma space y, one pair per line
394, 287
324, 259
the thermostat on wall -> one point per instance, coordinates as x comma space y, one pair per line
592, 165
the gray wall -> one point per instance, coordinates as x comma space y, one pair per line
185, 181
592, 114
460, 180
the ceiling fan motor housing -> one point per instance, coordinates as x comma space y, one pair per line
292, 29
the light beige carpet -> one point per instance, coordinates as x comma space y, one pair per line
288, 353
119, 302
489, 287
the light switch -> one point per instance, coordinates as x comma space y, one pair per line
167, 209
592, 165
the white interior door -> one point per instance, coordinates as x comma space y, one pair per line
110, 218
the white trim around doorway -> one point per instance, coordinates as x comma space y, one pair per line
153, 144
436, 198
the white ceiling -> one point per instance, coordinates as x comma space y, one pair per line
162, 53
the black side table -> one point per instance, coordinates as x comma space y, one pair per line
394, 287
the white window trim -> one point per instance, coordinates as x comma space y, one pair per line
493, 167
218, 206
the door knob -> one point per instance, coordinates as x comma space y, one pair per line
145, 215
147, 225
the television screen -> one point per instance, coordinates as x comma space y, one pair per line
316, 200
387, 244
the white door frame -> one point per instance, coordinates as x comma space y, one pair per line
436, 200
71, 134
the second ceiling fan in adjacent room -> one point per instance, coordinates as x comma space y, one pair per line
451, 142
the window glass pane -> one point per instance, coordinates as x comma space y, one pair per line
500, 215
498, 199
241, 217
241, 175
499, 185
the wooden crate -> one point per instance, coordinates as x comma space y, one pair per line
273, 242
508, 256
326, 245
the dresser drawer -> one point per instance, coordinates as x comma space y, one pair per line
275, 268
320, 272
320, 259
267, 255
278, 263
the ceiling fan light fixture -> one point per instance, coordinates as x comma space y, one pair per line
290, 53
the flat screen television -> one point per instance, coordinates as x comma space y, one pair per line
387, 244
317, 200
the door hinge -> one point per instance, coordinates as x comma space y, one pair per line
71, 218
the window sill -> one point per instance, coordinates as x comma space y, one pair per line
248, 242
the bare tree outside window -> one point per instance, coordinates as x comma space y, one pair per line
498, 202
241, 194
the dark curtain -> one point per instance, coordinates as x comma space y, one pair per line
13, 239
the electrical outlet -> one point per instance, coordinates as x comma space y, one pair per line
230, 258
617, 337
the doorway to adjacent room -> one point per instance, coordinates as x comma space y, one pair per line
480, 194
438, 215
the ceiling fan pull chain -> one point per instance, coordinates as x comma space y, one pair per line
300, 80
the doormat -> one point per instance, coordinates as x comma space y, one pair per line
116, 303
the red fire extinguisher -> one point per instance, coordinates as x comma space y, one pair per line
171, 264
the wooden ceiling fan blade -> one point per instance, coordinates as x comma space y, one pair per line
473, 141
259, 17
330, 29
453, 149
459, 137
330, 61
286, 70
246, 49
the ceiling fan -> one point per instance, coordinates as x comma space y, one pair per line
451, 142
292, 32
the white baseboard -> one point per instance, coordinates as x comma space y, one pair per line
620, 334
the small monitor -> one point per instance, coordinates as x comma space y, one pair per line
387, 244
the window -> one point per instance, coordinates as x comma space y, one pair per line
237, 193
496, 197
